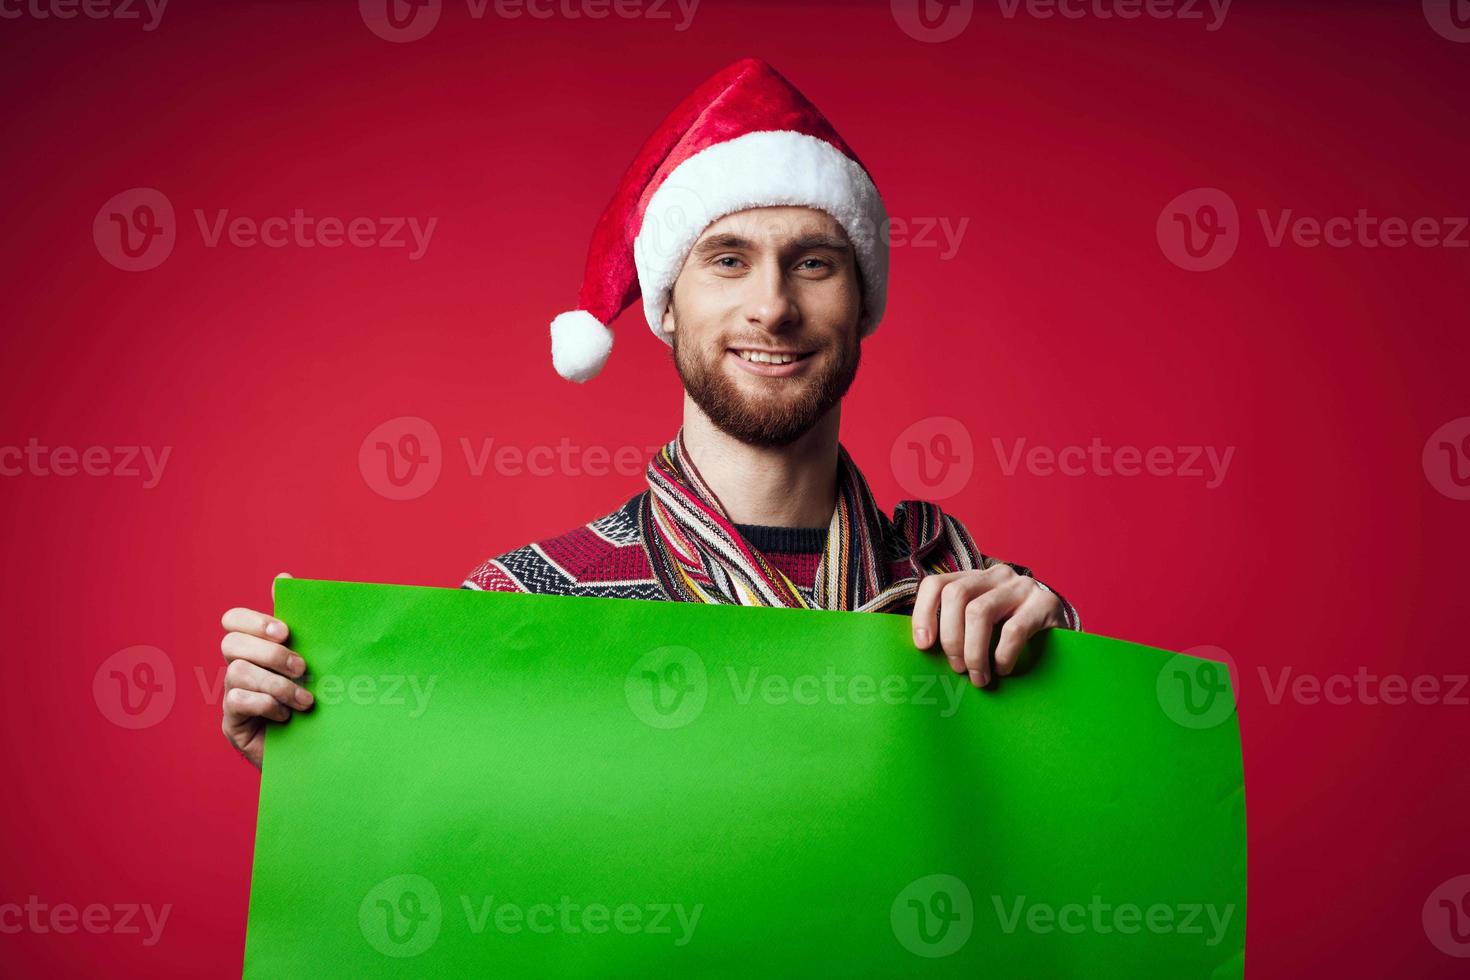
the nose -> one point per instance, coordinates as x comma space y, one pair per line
770, 304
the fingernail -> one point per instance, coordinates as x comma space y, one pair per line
921, 637
275, 630
975, 678
304, 698
957, 665
295, 665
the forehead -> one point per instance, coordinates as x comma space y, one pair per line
774, 225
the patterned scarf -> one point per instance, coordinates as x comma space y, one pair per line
869, 564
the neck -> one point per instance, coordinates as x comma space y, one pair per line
783, 486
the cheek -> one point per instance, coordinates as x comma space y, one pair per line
832, 302
697, 307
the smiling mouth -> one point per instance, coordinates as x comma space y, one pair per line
755, 356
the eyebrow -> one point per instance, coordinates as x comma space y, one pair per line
727, 241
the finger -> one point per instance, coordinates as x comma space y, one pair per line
240, 620
953, 599
244, 674
981, 615
1040, 610
1025, 623
242, 707
279, 575
273, 656
1048, 606
925, 622
978, 623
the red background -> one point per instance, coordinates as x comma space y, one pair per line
1059, 319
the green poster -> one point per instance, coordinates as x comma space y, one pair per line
514, 785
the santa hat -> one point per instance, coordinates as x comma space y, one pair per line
745, 138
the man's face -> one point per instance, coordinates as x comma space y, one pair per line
764, 285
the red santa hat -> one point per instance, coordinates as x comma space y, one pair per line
745, 138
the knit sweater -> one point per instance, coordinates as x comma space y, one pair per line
606, 558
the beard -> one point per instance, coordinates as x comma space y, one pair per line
786, 408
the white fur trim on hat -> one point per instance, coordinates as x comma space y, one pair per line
761, 169
580, 344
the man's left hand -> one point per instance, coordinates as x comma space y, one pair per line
961, 610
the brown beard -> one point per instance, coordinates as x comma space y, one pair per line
768, 422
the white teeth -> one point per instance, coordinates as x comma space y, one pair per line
761, 357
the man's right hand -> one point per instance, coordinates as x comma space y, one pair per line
259, 685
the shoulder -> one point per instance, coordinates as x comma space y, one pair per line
604, 557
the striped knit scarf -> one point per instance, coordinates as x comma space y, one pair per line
869, 564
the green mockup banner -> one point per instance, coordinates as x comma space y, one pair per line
515, 785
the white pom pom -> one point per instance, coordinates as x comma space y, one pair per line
580, 344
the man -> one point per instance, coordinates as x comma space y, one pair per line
755, 239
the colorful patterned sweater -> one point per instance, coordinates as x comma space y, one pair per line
606, 558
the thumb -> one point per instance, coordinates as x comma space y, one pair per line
279, 575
